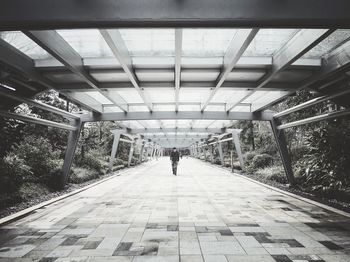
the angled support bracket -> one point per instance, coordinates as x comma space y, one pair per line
283, 150
72, 143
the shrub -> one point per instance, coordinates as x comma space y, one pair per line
249, 156
13, 171
80, 175
261, 161
29, 190
274, 173
39, 154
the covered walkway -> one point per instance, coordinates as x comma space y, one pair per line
203, 214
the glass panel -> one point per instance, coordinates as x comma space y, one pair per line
87, 42
98, 97
169, 123
164, 107
111, 109
130, 95
329, 44
206, 42
149, 42
189, 107
215, 108
194, 94
138, 108
202, 123
24, 44
262, 98
228, 95
162, 95
268, 41
222, 123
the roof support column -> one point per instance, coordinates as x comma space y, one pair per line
131, 153
116, 139
141, 152
237, 143
221, 154
72, 143
283, 150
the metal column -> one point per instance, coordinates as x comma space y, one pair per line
114, 147
70, 151
235, 136
221, 155
131, 153
141, 152
283, 150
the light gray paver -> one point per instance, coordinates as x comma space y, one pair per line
203, 214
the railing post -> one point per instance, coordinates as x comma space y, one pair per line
283, 150
72, 143
141, 152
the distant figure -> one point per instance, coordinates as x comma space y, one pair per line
174, 157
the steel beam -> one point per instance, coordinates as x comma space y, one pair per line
55, 45
35, 120
311, 102
283, 150
295, 48
72, 143
49, 14
172, 115
179, 130
13, 58
116, 43
40, 105
178, 53
232, 85
336, 62
313, 119
238, 45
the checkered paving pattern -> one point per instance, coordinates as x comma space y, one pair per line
203, 214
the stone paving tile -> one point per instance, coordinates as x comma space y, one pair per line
204, 214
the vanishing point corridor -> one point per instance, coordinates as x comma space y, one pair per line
203, 214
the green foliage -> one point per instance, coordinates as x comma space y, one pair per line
13, 171
262, 160
80, 175
39, 154
274, 173
92, 161
28, 191
327, 164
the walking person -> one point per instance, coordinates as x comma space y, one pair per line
174, 157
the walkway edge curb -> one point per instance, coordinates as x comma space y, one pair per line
329, 208
25, 212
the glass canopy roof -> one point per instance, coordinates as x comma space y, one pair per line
143, 77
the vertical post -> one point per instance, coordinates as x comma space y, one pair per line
235, 136
72, 143
141, 152
211, 154
131, 153
221, 155
114, 147
283, 150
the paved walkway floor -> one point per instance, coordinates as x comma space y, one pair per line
203, 214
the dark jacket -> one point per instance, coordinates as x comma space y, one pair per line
174, 156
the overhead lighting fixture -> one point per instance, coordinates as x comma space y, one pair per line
8, 87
